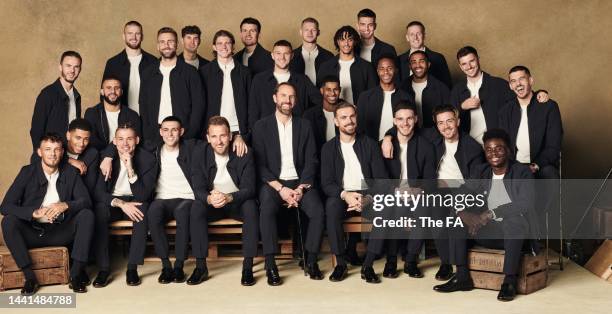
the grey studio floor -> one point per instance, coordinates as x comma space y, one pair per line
573, 290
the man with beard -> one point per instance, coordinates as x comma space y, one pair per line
286, 156
321, 117
48, 205
253, 55
261, 103
355, 74
375, 106
308, 57
58, 103
191, 41
346, 161
106, 116
371, 48
126, 195
129, 64
170, 88
415, 36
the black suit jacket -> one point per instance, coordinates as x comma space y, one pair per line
204, 171
266, 145
332, 163
363, 76
420, 157
369, 109
27, 192
187, 101
469, 153
91, 158
438, 68
202, 60
51, 112
545, 129
319, 125
380, 49
212, 80
185, 159
145, 167
434, 94
261, 103
494, 93
119, 67
298, 65
259, 61
100, 134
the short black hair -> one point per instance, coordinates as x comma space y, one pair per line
367, 13
282, 43
172, 119
386, 56
251, 20
466, 51
403, 105
79, 123
167, 29
497, 134
517, 68
282, 84
110, 77
444, 108
70, 53
416, 23
191, 30
342, 105
330, 79
352, 34
51, 137
124, 126
416, 52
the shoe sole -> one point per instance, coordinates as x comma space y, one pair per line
370, 281
96, 285
464, 289
247, 284
133, 284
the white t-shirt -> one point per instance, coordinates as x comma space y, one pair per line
71, 155
134, 87
51, 195
523, 152
366, 52
403, 161
72, 114
285, 138
282, 77
223, 181
345, 80
122, 185
498, 195
172, 182
386, 116
352, 177
245, 57
113, 123
418, 99
228, 106
165, 101
309, 63
449, 168
478, 124
330, 125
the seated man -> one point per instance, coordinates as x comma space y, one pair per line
81, 154
506, 221
48, 205
224, 182
125, 195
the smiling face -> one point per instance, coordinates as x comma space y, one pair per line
521, 83
284, 99
404, 121
166, 45
366, 27
496, 152
470, 65
219, 138
70, 68
282, 56
132, 36
419, 65
77, 141
346, 120
309, 32
51, 153
111, 91
249, 34
126, 140
331, 92
385, 70
448, 125
346, 43
223, 47
415, 36
171, 132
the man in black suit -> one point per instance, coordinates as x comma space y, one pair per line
81, 155
356, 75
347, 160
504, 222
48, 205
225, 187
253, 55
261, 103
308, 57
170, 88
286, 156
371, 48
321, 117
192, 36
58, 103
415, 36
126, 195
128, 65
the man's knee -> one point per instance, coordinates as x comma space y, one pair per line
249, 210
86, 218
9, 223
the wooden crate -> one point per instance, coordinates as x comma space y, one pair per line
487, 265
50, 264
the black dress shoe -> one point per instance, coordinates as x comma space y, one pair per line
354, 259
339, 273
179, 275
198, 276
314, 272
507, 292
77, 285
247, 278
102, 280
368, 274
132, 278
412, 270
455, 285
445, 272
84, 278
29, 287
166, 276
274, 278
390, 270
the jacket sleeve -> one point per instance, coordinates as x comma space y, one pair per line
39, 120
378, 165
198, 108
12, 203
247, 181
145, 185
80, 195
552, 141
329, 185
259, 146
91, 176
198, 179
95, 139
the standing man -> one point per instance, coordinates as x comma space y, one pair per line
58, 103
355, 74
253, 55
191, 41
371, 48
261, 103
286, 156
321, 117
415, 36
48, 205
170, 88
308, 57
129, 64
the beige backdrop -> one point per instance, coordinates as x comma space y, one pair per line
565, 43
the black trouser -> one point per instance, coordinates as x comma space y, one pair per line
160, 212
106, 214
19, 236
439, 234
271, 203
